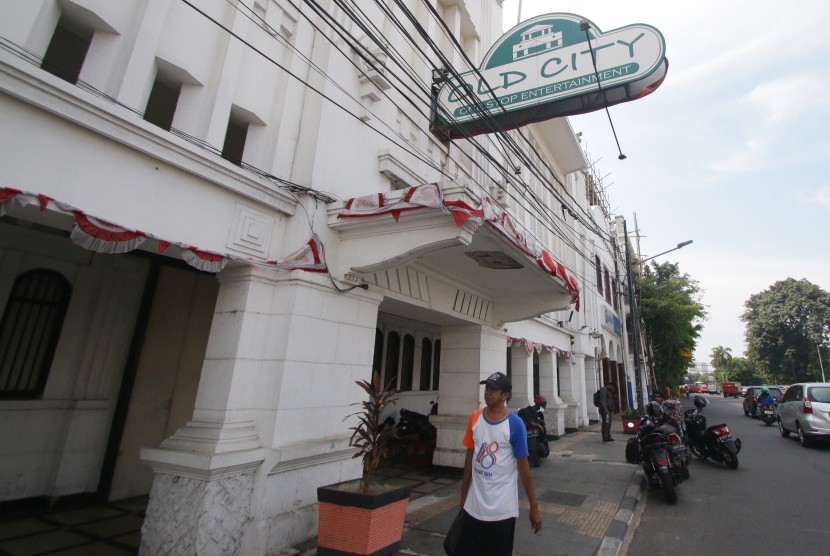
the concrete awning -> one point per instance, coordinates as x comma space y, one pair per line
476, 255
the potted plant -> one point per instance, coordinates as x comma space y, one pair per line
361, 516
631, 420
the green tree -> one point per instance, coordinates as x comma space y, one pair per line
672, 318
740, 370
784, 324
720, 359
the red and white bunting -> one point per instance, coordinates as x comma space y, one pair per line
309, 258
530, 347
102, 236
13, 199
418, 197
204, 260
573, 289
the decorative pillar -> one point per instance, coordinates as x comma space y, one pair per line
521, 376
581, 395
469, 354
569, 393
200, 498
555, 412
592, 385
268, 426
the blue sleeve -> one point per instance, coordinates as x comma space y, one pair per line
518, 436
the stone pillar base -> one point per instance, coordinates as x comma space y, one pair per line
572, 416
449, 451
555, 418
201, 495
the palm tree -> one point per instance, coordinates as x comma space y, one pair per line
721, 358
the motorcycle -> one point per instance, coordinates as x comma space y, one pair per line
664, 456
715, 442
412, 424
533, 417
768, 414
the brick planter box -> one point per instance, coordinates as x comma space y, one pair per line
355, 523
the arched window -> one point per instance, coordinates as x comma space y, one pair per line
436, 365
29, 332
377, 359
393, 354
426, 362
407, 362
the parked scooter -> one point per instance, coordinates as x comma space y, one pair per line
416, 425
660, 449
715, 442
537, 433
767, 413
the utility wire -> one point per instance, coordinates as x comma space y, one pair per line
566, 239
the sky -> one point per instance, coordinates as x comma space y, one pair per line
732, 151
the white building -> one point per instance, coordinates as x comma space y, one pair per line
142, 135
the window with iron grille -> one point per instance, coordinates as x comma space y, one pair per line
29, 332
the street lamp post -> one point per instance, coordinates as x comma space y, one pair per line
632, 300
680, 245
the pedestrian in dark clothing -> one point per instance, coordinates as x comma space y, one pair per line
606, 409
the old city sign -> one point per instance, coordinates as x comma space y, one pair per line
543, 69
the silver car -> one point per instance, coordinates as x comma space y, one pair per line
805, 410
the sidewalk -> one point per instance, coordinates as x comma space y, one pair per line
586, 491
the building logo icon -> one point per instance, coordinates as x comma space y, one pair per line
537, 39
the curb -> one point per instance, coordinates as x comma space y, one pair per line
612, 543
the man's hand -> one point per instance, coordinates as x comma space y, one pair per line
527, 481
536, 519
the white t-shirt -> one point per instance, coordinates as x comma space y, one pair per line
494, 491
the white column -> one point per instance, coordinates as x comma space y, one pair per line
569, 384
591, 386
555, 412
469, 354
206, 469
268, 424
521, 376
581, 394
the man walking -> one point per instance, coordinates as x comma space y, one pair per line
496, 442
606, 409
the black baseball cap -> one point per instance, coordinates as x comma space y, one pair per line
499, 380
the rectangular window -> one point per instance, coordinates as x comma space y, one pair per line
599, 273
161, 106
235, 138
65, 55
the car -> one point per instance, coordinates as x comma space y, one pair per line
714, 389
751, 398
805, 410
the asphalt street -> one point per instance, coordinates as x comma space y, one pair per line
775, 502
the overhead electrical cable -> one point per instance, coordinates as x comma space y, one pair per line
553, 222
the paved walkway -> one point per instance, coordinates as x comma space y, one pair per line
586, 491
